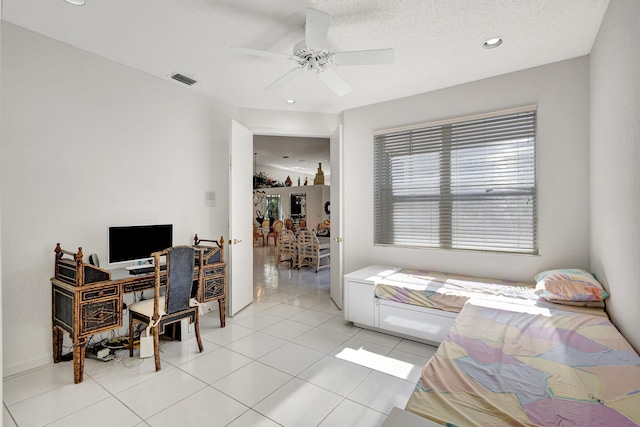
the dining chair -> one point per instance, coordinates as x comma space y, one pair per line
288, 224
273, 233
287, 248
257, 235
176, 303
309, 252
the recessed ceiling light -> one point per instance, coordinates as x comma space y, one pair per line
492, 42
290, 101
76, 2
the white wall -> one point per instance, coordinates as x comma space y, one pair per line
316, 196
561, 92
289, 123
615, 161
88, 143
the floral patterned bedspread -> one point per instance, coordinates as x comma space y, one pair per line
449, 292
519, 365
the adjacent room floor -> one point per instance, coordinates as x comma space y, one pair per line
289, 359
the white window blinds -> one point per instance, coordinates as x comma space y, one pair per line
467, 184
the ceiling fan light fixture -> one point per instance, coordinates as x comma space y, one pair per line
311, 54
76, 2
492, 43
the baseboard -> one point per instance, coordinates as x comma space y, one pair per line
20, 368
398, 334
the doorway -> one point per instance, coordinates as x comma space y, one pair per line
287, 167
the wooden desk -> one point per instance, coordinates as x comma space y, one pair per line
87, 300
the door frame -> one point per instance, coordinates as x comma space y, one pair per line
301, 133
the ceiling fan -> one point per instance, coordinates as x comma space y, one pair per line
311, 55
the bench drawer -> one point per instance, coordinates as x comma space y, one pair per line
427, 324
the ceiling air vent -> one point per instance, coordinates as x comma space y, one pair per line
183, 79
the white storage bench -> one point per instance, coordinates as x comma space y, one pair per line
365, 310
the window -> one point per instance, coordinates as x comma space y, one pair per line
273, 206
465, 184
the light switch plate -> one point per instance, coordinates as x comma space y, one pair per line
210, 199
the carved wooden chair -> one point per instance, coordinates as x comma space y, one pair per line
309, 252
175, 304
287, 248
302, 224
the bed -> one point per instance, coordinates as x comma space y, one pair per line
505, 364
417, 304
423, 305
446, 291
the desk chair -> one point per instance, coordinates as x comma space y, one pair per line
176, 303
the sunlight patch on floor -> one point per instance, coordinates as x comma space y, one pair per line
384, 364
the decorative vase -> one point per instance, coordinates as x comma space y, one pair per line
288, 181
319, 179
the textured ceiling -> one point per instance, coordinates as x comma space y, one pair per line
437, 42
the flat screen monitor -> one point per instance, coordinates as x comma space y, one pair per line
138, 242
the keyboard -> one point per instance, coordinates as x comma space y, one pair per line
145, 269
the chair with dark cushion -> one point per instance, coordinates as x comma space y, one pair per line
176, 303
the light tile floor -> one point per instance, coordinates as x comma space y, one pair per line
289, 359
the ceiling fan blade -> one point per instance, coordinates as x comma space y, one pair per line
254, 52
335, 82
316, 29
289, 76
364, 57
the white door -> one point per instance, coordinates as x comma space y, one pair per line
240, 254
336, 291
